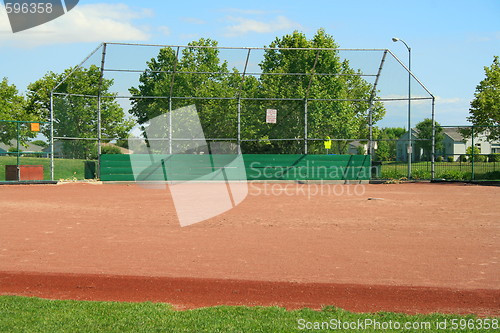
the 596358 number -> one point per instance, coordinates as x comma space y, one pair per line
25, 8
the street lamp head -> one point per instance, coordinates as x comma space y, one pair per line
395, 39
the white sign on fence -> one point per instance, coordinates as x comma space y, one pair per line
271, 115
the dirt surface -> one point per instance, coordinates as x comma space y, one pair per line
412, 248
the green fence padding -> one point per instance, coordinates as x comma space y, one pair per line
116, 167
90, 168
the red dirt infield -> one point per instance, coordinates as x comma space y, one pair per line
417, 248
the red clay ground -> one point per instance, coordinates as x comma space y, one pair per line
423, 248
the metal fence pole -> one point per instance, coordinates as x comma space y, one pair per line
239, 100
313, 72
239, 125
472, 153
18, 162
370, 108
410, 145
170, 131
305, 126
51, 136
433, 149
99, 118
170, 125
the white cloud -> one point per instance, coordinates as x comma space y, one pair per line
193, 36
491, 37
247, 11
164, 30
453, 100
85, 23
245, 25
193, 20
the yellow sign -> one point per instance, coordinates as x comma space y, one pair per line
35, 127
328, 143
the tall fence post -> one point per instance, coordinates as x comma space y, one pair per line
239, 101
170, 124
306, 96
472, 153
433, 149
305, 126
170, 131
239, 125
51, 136
18, 161
99, 119
370, 108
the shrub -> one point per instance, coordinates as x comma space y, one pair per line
477, 154
493, 175
454, 175
439, 159
388, 173
451, 158
494, 158
463, 158
478, 158
421, 174
40, 143
110, 150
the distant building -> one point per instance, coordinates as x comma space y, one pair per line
454, 144
359, 147
29, 149
58, 149
60, 153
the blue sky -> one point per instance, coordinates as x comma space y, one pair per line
451, 41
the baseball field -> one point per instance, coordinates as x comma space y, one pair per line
417, 248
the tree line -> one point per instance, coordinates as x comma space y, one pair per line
331, 113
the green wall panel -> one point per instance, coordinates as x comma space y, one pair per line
257, 166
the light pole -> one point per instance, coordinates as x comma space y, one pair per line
410, 151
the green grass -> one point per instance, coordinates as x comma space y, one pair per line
21, 314
63, 168
446, 170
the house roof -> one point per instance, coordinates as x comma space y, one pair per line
58, 147
30, 148
453, 133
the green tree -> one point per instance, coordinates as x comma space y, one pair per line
12, 107
386, 142
213, 78
424, 138
76, 116
111, 150
477, 154
339, 119
40, 143
485, 108
168, 75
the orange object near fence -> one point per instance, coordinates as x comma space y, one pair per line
26, 172
35, 127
